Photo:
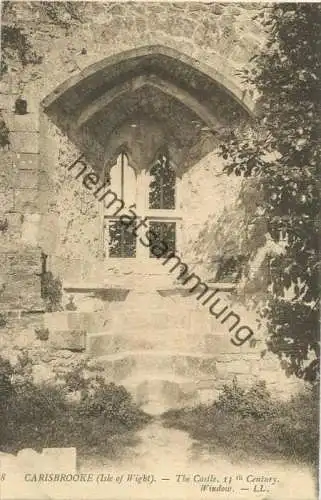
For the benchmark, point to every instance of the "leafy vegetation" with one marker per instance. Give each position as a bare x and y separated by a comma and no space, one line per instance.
250,423
40,416
16,40
3,320
4,133
15,43
282,152
51,291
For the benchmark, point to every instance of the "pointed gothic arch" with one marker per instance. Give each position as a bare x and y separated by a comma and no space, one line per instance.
131,57
191,101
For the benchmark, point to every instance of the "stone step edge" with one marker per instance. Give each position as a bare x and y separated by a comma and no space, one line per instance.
167,377
151,353
145,337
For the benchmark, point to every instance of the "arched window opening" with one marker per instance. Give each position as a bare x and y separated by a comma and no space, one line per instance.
152,198
123,180
162,197
122,241
162,185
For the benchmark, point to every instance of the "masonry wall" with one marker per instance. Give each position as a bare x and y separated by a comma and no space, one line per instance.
223,36
47,210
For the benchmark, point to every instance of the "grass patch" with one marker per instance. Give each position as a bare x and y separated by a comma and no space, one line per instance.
249,423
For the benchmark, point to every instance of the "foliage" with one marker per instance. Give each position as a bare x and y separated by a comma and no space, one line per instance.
4,133
282,151
230,268
71,306
16,41
16,44
40,416
6,372
3,320
110,402
62,13
51,291
255,402
250,423
42,333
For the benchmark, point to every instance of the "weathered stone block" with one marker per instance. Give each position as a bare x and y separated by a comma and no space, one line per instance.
208,384
273,376
7,200
8,177
49,240
12,237
30,228
10,299
31,320
3,267
24,142
26,200
65,320
100,344
27,293
233,368
14,314
22,123
33,304
26,262
208,366
7,101
123,367
43,180
28,283
73,340
7,160
220,342
27,179
27,161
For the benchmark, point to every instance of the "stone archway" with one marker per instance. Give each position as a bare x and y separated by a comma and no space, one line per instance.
90,74
142,99
200,100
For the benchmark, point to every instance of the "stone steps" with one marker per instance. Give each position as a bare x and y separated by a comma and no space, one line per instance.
161,393
151,364
157,395
178,340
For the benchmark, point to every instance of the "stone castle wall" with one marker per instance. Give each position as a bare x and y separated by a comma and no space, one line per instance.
222,36
48,210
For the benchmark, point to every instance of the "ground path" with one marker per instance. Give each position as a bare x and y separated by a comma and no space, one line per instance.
162,453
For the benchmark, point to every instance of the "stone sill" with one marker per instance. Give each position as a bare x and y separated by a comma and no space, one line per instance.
91,287
120,293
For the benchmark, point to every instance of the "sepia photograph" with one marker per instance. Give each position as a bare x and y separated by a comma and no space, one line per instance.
160,217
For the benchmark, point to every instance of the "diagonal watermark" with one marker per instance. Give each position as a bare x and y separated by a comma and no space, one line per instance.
160,249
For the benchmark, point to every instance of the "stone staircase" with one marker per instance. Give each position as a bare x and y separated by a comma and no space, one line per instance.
162,350
167,351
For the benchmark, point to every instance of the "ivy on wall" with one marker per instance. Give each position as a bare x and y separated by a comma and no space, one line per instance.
16,42
51,288
4,133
